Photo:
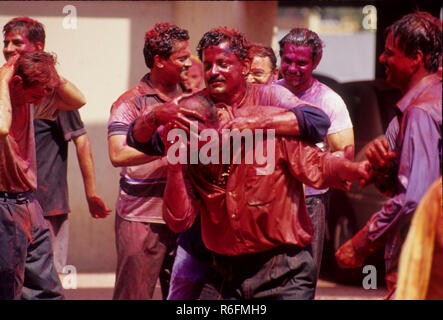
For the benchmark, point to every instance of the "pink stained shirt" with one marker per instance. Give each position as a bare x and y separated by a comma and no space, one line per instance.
18,164
140,197
332,104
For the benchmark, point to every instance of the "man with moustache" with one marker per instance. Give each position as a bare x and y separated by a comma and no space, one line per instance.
223,52
145,245
409,157
301,51
263,64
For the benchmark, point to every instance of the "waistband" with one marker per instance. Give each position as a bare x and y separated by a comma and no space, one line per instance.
16,197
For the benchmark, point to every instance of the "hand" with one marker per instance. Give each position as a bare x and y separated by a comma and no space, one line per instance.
347,257
97,207
167,111
174,160
7,70
360,171
378,153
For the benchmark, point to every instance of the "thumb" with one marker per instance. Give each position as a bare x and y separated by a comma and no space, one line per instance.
349,152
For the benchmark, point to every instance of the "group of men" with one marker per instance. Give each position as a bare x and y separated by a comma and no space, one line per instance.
227,228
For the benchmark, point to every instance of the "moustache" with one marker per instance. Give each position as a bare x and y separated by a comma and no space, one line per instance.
216,79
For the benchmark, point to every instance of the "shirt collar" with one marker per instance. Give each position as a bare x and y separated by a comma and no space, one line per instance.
416,91
145,88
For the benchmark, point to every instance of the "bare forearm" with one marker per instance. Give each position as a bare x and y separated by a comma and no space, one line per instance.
179,212
284,124
86,164
122,155
144,127
5,109
71,97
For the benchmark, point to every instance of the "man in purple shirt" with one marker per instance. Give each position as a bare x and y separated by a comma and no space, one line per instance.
409,156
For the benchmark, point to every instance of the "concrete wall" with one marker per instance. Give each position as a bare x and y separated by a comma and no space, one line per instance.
103,57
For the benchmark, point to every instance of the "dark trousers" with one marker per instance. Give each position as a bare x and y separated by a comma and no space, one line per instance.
317,206
26,260
283,273
145,253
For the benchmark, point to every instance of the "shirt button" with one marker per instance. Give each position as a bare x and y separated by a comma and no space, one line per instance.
233,216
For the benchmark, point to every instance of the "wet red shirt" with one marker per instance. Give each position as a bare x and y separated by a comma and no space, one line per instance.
253,212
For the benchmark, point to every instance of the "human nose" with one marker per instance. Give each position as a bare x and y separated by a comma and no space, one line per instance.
292,68
188,62
213,71
9,47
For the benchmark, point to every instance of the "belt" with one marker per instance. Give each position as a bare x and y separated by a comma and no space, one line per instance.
19,197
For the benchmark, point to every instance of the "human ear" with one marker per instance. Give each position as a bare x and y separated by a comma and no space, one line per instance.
246,66
158,61
39,46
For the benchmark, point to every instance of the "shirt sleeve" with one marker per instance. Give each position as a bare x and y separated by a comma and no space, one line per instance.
123,113
419,167
71,124
340,119
310,165
153,147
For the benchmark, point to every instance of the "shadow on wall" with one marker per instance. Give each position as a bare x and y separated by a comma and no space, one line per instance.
92,241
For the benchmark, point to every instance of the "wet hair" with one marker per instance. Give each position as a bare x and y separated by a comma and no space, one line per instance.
31,29
419,31
302,37
257,49
37,68
202,105
237,41
160,41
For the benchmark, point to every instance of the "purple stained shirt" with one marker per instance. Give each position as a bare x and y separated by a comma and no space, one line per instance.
415,135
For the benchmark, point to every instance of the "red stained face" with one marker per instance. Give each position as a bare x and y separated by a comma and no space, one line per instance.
223,72
261,70
194,77
398,67
178,61
16,43
297,66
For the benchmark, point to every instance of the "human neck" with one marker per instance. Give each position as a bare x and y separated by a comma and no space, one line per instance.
164,85
300,88
415,78
232,99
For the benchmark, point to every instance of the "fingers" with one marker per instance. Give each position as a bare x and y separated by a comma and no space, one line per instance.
12,60
378,152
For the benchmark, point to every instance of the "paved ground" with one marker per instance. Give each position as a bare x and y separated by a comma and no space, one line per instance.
99,286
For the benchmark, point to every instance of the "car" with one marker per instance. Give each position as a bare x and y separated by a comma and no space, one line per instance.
370,105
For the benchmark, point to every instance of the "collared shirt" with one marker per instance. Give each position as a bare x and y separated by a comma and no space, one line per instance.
332,104
51,138
255,212
141,187
18,164
415,136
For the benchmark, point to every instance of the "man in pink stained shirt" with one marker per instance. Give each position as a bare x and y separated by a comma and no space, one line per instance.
301,51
